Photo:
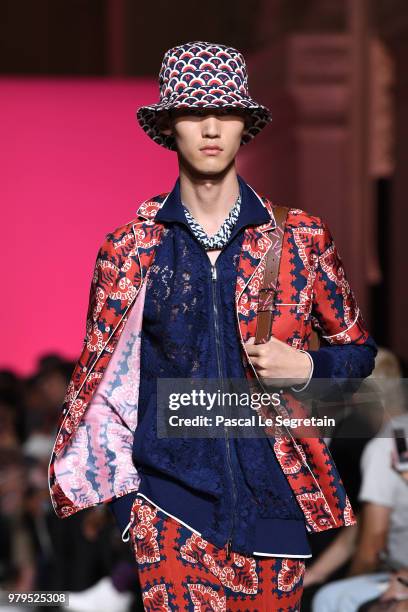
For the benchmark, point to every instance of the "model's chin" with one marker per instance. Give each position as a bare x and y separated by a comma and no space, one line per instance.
210,168
206,165
210,164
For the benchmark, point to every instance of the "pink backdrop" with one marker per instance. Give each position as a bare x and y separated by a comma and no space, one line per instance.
75,165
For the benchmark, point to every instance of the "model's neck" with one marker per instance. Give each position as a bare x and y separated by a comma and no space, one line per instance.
209,199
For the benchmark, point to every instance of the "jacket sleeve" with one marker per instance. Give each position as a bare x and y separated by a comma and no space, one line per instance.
91,462
106,269
350,350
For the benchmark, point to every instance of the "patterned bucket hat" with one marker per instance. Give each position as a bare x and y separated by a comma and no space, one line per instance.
201,75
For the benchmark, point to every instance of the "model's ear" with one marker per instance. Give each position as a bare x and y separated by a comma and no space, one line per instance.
164,123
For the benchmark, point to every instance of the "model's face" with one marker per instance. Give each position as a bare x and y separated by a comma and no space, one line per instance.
207,140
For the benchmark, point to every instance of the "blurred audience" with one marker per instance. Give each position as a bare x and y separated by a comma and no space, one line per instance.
374,553
379,546
39,551
380,397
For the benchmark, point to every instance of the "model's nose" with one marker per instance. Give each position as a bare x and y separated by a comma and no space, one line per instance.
210,126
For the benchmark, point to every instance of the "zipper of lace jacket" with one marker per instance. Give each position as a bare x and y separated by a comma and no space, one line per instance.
220,373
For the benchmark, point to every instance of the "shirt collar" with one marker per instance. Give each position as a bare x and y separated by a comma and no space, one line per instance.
252,212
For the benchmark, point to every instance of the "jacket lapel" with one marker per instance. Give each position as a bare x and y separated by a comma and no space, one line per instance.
137,250
148,234
254,248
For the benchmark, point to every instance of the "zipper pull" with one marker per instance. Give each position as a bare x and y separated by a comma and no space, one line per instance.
213,273
228,549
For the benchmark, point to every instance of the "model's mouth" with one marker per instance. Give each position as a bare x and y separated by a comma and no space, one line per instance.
211,150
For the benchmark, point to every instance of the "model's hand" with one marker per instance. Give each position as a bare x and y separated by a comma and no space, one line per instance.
279,362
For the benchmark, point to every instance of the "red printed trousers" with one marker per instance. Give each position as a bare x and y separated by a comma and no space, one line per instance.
180,571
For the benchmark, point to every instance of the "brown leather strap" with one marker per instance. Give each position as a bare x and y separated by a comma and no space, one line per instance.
267,293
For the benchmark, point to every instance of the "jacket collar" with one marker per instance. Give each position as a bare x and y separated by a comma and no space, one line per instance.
253,209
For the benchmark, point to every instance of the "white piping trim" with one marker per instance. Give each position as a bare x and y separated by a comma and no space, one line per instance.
343,331
126,530
198,533
260,199
280,555
151,218
150,200
171,515
238,297
164,201
310,375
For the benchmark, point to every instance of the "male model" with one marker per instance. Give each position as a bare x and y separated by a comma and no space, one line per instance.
216,523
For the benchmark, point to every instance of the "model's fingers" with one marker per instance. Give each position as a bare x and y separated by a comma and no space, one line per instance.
251,347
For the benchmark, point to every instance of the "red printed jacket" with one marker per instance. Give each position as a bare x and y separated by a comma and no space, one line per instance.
82,472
